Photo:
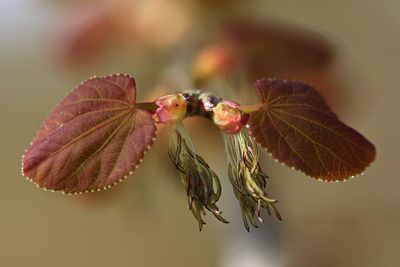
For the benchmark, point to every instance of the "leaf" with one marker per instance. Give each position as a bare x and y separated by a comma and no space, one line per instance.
287,50
92,139
83,31
297,127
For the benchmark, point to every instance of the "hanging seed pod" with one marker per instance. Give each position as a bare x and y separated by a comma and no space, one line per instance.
247,178
202,185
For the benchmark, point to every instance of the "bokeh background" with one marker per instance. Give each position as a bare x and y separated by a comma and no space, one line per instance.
47,47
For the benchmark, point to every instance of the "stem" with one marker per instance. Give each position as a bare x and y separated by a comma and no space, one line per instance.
250,108
149,106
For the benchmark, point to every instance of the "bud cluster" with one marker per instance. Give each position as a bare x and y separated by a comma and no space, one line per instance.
172,109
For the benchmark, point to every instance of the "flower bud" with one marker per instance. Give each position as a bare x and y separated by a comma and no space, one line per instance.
228,117
171,108
212,61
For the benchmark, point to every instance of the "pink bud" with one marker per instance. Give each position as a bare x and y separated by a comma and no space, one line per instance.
171,108
228,117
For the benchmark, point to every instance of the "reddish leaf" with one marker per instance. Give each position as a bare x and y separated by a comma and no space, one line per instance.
92,139
277,49
83,31
299,129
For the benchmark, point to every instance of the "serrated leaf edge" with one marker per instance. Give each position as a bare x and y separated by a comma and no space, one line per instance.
292,167
299,170
93,190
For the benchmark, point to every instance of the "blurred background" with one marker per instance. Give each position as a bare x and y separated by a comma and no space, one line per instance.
348,49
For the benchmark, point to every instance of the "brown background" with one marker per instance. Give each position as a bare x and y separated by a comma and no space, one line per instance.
145,220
